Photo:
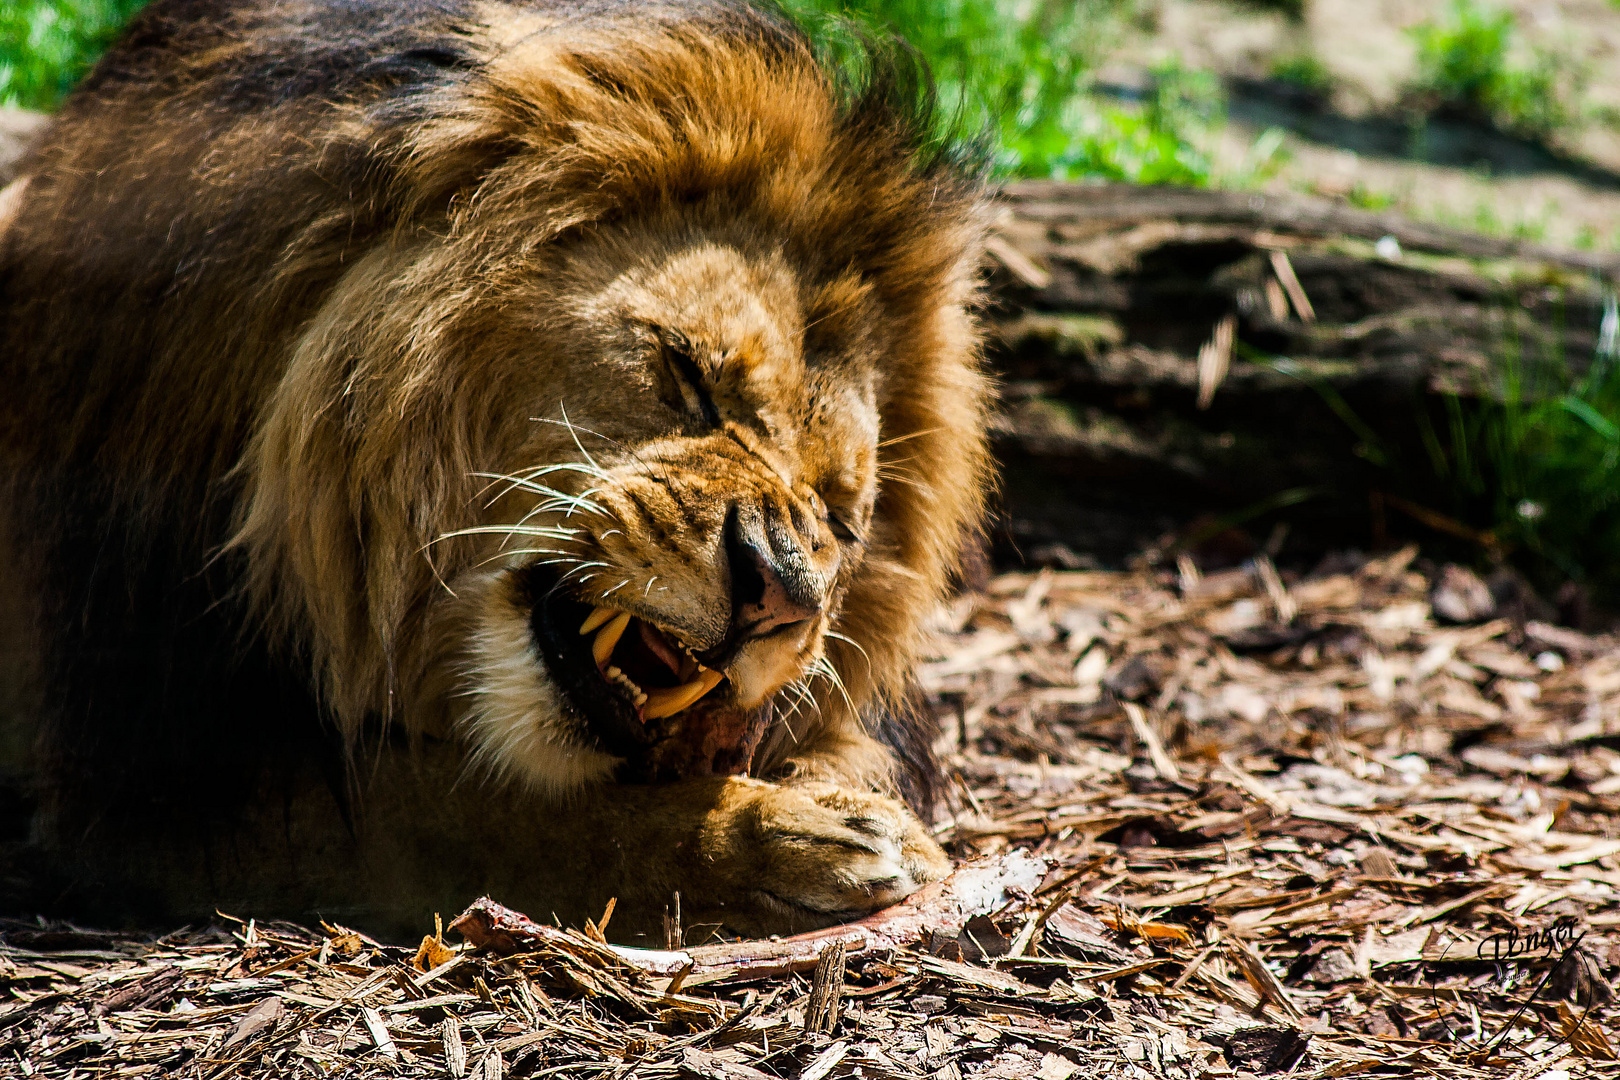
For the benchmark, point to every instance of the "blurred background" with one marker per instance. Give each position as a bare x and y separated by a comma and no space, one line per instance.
1303,278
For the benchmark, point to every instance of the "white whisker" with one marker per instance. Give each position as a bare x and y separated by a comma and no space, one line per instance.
585,566
528,478
555,532
804,697
852,643
906,480
572,428
824,668
499,556
911,435
570,503
573,433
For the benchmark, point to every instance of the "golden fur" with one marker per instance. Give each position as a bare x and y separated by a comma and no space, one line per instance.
373,358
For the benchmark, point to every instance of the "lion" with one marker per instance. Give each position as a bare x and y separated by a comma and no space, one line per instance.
503,446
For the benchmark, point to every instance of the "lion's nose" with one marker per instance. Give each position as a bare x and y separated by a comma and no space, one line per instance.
768,589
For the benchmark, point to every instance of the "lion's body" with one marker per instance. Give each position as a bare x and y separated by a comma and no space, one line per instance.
287,284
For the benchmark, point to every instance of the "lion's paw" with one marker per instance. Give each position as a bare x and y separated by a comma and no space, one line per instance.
814,854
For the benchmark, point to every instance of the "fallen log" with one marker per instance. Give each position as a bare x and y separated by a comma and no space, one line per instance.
1169,352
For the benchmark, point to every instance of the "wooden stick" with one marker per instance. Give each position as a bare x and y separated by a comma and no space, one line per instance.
975,888
826,992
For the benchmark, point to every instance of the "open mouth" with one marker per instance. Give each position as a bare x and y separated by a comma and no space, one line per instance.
625,677
659,674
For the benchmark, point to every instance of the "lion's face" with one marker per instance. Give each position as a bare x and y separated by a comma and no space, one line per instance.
678,530
646,432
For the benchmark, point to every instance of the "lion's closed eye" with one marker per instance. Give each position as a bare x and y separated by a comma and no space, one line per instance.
676,353
841,529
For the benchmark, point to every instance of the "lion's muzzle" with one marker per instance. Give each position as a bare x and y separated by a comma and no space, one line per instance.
661,702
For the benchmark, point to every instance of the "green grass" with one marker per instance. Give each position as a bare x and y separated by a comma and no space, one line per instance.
46,45
1537,461
1020,73
1158,142
1528,463
1305,72
1363,197
1472,63
1487,219
1012,76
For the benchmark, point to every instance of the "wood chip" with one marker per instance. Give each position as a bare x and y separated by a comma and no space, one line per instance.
260,1018
1284,269
821,1012
1215,360
379,1032
455,1054
704,1066
1163,763
825,1062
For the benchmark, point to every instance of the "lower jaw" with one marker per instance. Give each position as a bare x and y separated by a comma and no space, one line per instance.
705,740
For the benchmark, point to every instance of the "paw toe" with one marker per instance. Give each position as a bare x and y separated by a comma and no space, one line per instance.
842,855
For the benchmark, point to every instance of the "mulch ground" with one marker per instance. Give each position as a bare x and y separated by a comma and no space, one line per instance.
1366,821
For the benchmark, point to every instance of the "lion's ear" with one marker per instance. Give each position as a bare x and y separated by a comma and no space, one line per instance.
505,89
454,113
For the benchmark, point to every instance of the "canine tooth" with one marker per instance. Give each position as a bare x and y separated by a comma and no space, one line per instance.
662,703
608,637
595,619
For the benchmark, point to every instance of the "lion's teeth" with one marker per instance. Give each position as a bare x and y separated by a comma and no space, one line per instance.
614,675
691,666
608,637
595,619
662,703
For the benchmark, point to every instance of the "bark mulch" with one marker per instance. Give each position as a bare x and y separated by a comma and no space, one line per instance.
1365,821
